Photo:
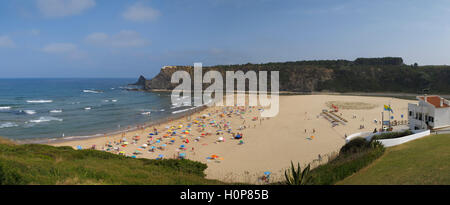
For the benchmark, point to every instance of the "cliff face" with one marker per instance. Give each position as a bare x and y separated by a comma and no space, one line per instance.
305,79
362,75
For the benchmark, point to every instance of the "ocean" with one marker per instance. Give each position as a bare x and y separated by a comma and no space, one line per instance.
36,109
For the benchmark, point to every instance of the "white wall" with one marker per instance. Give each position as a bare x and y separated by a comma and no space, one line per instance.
442,117
401,140
390,142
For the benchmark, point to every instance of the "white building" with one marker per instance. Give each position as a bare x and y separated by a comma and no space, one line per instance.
432,112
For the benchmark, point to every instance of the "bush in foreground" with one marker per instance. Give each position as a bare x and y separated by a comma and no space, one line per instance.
297,176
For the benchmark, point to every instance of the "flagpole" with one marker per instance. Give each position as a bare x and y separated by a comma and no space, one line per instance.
390,110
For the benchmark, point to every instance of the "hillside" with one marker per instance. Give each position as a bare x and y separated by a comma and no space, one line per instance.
424,161
388,74
42,164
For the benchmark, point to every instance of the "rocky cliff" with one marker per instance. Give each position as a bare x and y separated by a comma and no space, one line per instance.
362,75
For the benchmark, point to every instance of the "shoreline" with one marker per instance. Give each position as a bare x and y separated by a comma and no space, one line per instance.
132,128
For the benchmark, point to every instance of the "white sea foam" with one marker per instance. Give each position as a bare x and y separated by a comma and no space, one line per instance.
39,101
146,113
8,125
56,111
5,108
29,112
92,91
162,110
113,100
184,110
87,108
45,119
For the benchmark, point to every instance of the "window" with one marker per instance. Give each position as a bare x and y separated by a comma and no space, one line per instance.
410,113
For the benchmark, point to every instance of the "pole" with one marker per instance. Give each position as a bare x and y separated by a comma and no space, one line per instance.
390,115
382,120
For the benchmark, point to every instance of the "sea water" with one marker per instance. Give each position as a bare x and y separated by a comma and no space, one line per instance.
53,108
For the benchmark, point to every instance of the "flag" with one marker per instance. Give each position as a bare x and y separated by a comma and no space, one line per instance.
388,108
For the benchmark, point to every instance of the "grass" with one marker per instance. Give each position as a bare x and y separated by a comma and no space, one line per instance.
48,165
420,162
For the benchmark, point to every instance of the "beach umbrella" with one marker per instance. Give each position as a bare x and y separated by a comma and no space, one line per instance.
125,143
79,147
182,146
158,141
133,156
267,173
144,145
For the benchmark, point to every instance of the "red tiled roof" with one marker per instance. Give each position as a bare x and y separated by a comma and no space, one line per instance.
435,101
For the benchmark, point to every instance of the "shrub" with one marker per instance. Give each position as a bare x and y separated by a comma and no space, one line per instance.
297,176
392,135
352,157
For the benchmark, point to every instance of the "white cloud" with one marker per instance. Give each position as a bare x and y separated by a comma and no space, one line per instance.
140,12
61,8
35,32
60,48
125,38
6,42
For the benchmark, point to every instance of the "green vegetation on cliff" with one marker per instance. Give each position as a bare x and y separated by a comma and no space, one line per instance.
43,164
388,74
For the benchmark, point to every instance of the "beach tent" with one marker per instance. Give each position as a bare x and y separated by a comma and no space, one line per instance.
79,147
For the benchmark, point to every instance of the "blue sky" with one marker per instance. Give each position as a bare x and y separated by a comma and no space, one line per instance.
105,38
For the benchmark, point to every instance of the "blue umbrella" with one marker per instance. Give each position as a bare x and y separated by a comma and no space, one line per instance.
267,173
79,147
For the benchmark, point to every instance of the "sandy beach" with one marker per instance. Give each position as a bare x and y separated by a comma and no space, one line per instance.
299,133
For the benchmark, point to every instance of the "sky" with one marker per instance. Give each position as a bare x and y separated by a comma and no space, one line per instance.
128,38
